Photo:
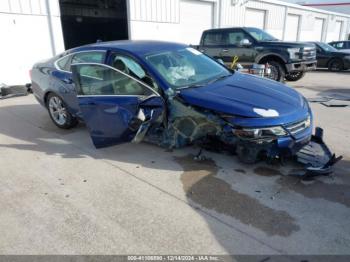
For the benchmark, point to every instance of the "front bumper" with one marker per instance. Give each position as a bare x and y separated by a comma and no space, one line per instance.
307,149
301,66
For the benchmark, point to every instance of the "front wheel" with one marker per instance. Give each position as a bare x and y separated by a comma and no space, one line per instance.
335,65
277,71
58,112
295,76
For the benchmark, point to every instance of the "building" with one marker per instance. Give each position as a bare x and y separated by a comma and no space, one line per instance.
340,6
32,30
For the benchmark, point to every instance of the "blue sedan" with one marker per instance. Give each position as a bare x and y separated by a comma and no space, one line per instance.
172,95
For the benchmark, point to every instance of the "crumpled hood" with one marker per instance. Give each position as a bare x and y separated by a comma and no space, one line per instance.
247,96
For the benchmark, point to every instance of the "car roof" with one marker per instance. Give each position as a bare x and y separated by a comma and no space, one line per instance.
229,28
139,47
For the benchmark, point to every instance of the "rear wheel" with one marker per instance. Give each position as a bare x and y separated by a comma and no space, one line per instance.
58,112
335,65
277,71
295,76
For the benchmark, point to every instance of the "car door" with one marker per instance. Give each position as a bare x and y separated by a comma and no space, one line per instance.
116,107
240,44
322,57
213,43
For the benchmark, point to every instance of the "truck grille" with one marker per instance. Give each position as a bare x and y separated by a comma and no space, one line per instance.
309,53
298,127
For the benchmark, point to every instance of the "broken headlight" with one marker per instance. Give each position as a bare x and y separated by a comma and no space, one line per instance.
266,132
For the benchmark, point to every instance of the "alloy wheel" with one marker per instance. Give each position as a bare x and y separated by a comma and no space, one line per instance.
57,110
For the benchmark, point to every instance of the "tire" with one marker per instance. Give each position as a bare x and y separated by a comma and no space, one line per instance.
335,65
277,71
58,112
295,76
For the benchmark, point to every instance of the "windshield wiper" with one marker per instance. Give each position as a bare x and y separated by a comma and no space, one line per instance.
190,86
219,78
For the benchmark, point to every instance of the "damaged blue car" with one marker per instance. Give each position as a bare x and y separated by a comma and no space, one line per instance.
173,95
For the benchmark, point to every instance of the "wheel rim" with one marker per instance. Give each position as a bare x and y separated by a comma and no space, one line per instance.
274,73
335,66
57,110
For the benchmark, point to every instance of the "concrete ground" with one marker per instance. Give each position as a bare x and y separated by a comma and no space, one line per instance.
59,195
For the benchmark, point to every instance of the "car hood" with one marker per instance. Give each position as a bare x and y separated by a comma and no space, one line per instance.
249,96
341,53
287,44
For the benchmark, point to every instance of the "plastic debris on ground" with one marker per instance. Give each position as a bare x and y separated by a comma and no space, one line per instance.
14,91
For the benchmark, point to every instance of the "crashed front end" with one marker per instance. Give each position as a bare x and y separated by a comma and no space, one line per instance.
187,124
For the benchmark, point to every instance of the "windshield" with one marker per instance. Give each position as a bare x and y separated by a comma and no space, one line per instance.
186,67
260,35
326,47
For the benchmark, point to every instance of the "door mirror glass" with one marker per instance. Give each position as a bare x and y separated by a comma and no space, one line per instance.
94,79
245,42
220,61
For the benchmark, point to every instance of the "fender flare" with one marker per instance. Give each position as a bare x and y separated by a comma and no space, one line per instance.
264,55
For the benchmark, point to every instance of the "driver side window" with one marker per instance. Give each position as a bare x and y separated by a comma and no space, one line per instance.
130,67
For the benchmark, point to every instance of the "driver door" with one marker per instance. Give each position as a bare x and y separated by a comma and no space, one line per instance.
116,107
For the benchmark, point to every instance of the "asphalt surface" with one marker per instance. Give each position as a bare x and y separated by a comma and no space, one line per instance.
60,195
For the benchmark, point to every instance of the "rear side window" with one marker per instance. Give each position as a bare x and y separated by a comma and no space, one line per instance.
215,38
88,57
83,57
64,63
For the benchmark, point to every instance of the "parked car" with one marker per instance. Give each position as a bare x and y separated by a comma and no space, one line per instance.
341,45
331,58
172,95
288,60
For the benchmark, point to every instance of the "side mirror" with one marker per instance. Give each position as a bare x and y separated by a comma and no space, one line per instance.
220,61
245,42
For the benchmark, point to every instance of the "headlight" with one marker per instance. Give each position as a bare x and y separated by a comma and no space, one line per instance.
294,53
260,132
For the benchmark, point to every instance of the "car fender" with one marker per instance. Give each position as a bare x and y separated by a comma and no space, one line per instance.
266,54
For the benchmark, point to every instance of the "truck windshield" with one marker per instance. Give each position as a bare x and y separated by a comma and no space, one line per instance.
186,68
326,47
260,35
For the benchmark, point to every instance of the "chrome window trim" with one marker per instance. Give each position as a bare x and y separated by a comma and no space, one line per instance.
131,77
71,54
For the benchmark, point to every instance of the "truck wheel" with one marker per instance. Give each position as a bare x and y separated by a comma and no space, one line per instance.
277,71
295,76
335,65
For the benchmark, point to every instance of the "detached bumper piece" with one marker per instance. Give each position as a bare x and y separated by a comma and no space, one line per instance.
13,91
317,157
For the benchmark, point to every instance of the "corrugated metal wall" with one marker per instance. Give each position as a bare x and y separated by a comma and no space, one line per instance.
160,16
28,34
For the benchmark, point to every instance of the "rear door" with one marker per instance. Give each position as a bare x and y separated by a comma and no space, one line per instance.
115,106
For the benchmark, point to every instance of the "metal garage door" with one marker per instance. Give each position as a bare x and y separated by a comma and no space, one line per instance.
195,17
338,29
292,28
255,18
318,29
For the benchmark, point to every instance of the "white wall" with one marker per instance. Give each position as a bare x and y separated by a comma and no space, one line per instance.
25,37
159,19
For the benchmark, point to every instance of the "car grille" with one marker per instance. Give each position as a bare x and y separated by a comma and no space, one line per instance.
298,127
309,53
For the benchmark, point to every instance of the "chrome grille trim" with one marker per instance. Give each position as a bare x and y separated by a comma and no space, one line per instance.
297,127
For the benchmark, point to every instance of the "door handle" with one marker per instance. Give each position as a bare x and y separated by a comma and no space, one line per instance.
68,80
224,50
